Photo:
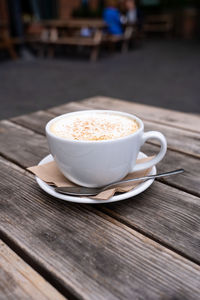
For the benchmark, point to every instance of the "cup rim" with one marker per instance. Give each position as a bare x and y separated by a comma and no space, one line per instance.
139,121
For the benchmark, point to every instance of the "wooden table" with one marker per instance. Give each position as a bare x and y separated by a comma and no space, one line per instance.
146,247
69,32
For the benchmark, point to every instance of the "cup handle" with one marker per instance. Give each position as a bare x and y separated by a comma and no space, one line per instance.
152,135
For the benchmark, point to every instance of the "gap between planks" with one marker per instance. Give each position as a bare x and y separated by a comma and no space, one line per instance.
20,280
36,266
116,219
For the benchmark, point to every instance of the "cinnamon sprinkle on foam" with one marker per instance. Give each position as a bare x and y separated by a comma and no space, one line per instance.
94,127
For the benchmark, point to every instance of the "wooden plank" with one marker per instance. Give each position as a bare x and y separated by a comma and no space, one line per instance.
189,180
88,253
68,107
177,139
35,121
28,154
165,214
159,115
80,41
82,23
19,281
74,23
21,145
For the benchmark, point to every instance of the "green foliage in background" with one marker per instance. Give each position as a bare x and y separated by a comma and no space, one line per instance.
147,6
167,5
179,3
85,12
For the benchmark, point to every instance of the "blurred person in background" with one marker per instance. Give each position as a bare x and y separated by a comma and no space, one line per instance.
111,16
131,15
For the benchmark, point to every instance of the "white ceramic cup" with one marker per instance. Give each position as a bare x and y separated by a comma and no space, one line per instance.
98,163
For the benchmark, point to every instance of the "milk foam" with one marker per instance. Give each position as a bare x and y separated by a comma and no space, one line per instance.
94,127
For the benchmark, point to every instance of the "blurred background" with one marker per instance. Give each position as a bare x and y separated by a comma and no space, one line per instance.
57,51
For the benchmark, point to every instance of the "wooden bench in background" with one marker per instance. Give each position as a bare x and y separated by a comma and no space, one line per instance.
68,32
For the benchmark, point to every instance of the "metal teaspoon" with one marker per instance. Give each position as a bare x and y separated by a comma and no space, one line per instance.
84,191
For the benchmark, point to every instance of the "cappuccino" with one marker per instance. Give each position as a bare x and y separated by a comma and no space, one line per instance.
94,126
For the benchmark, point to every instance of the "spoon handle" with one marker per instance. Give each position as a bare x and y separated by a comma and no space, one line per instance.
144,178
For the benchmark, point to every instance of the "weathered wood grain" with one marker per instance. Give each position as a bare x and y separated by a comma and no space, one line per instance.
90,254
177,139
35,121
21,145
186,181
19,281
171,118
68,107
166,214
163,216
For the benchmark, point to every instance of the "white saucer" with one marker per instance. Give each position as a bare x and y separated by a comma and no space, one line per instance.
137,190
